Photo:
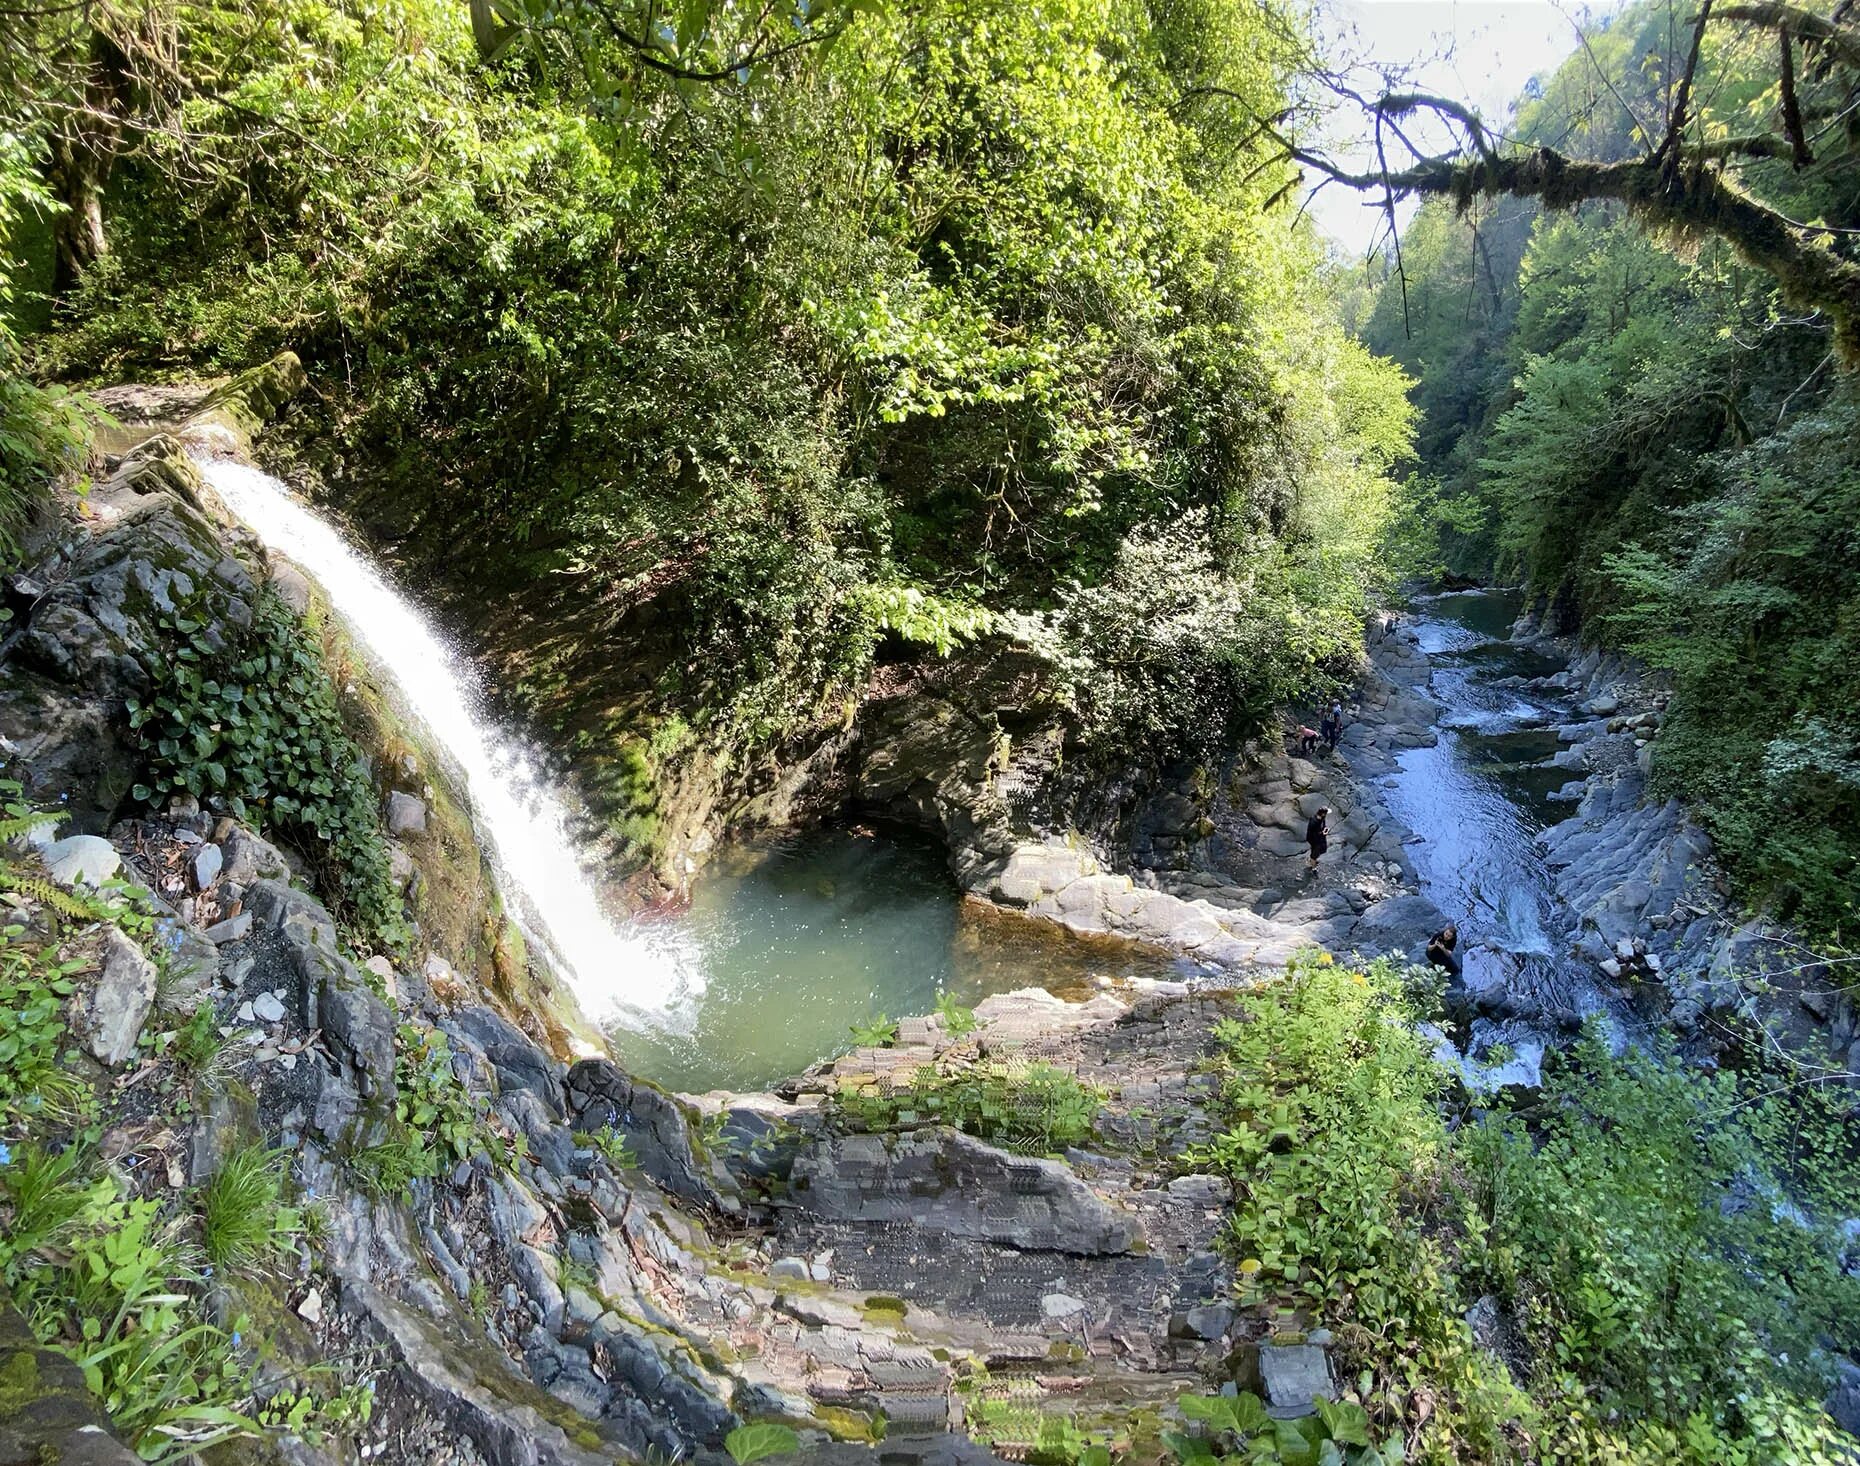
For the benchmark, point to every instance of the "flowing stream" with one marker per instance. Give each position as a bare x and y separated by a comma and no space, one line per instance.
619,972
1475,803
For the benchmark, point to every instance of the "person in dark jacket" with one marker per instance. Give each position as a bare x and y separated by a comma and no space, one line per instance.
1443,949
1333,726
1317,834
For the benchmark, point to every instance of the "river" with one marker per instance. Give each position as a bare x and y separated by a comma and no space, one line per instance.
1474,804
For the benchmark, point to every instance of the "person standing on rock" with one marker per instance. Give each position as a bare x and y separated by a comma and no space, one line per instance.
1333,726
1317,834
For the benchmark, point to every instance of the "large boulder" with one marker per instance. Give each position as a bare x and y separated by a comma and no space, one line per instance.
944,1181
601,1095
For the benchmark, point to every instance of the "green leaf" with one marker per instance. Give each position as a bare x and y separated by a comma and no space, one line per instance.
760,1441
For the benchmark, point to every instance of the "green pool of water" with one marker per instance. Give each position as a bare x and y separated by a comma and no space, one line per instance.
797,940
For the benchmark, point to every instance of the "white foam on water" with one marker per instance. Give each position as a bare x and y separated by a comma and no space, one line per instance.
617,972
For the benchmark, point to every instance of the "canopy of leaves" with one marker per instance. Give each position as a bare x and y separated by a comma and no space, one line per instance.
714,388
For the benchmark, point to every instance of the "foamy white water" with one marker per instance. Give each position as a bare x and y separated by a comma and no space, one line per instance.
616,972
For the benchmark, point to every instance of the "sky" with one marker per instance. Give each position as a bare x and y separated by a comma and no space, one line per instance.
1477,51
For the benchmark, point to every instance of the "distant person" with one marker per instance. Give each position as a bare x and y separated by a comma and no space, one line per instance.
1317,834
1334,731
1328,731
1307,741
1443,949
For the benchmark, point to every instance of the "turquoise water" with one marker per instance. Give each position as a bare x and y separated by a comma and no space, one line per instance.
796,940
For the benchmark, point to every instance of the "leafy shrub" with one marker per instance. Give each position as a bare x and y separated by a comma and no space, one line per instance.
1238,1428
1663,1319
103,1279
252,728
438,1122
758,1442
1025,1106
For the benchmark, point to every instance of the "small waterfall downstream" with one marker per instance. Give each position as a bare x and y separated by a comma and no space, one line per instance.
621,976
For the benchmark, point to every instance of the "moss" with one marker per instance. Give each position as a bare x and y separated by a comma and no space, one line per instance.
19,1383
850,1425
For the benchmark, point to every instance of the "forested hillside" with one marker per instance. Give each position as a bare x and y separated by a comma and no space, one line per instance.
729,360
1644,430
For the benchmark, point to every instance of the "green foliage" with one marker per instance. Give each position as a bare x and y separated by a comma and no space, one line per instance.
958,1020
1002,308
100,1277
35,990
252,727
1239,1429
880,1033
1670,1305
1645,433
1024,1106
43,432
760,1441
438,1122
612,1145
242,1212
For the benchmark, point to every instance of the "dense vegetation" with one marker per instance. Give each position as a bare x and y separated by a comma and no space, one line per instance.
726,385
1651,1297
1646,433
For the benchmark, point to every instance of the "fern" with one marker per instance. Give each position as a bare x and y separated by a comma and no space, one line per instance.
16,824
45,891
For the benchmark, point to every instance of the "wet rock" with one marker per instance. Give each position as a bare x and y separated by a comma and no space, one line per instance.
514,1059
111,1014
941,1180
405,815
81,860
65,748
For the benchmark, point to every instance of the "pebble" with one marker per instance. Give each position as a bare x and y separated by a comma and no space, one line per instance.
311,1309
796,1268
268,1008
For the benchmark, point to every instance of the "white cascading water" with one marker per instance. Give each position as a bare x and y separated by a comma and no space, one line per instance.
617,974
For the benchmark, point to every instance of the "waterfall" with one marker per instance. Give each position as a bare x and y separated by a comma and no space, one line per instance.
617,973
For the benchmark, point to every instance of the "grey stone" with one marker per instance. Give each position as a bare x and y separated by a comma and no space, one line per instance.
81,859
941,1180
600,1094
405,815
1208,1321
793,1269
1060,1306
209,860
249,858
1291,1376
112,1012
267,1008
233,929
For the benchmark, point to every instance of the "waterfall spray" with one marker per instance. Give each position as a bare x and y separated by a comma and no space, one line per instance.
617,973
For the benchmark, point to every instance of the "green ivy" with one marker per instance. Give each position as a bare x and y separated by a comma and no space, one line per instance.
250,726
438,1121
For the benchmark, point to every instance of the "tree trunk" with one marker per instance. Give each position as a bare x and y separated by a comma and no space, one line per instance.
82,152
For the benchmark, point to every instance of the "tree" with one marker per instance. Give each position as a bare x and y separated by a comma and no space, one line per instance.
1715,163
